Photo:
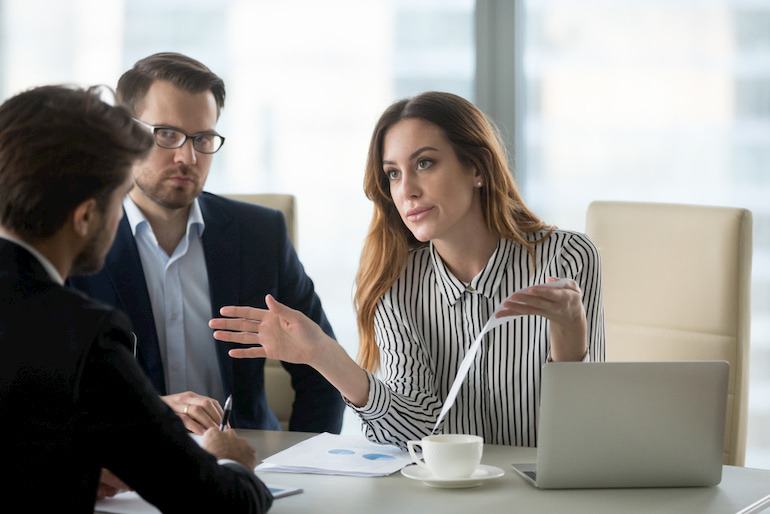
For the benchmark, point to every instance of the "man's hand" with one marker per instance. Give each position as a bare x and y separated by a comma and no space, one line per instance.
109,485
198,413
227,445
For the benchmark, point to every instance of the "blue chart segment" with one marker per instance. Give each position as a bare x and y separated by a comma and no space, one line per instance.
377,456
367,456
342,452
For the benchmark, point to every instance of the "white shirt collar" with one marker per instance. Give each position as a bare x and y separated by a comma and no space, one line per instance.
136,218
485,283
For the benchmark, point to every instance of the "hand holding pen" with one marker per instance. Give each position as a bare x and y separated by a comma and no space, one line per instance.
226,444
226,414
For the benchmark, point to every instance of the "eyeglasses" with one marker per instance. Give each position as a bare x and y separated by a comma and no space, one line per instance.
171,138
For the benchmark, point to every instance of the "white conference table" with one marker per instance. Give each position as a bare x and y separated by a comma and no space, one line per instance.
742,490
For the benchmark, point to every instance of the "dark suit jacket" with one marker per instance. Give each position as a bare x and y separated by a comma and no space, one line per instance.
74,401
248,255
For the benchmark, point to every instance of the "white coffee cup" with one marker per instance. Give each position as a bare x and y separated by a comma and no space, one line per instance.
449,455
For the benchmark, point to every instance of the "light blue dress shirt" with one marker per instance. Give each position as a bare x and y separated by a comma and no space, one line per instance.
181,305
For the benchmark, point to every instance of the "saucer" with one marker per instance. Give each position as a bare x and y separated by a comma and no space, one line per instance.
479,475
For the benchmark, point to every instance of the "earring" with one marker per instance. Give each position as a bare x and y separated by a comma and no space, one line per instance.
478,184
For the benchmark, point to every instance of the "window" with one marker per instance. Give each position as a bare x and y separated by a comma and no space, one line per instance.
648,101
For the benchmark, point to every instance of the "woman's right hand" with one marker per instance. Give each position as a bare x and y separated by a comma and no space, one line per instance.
290,336
282,333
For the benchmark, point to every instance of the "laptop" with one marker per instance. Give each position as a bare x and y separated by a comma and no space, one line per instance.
630,424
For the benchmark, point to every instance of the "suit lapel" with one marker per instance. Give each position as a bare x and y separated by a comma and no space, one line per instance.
221,249
123,266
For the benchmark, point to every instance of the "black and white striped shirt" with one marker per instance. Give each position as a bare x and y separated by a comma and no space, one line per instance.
428,320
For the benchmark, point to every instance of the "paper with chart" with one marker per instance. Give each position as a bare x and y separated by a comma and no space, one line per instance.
465,365
331,454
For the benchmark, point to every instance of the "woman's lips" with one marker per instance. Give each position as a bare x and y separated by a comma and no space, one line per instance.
418,213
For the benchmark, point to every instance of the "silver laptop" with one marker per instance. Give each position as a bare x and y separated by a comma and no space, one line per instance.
630,424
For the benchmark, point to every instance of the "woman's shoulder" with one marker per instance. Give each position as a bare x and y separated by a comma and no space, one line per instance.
561,241
574,245
573,237
560,236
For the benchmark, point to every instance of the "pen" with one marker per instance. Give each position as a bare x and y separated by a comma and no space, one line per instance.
226,414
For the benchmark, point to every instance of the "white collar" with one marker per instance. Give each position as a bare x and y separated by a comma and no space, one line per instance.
136,217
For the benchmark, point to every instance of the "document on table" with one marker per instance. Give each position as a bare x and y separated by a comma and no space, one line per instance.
130,502
125,503
331,454
465,365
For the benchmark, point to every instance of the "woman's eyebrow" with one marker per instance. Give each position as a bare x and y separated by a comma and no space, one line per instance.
414,154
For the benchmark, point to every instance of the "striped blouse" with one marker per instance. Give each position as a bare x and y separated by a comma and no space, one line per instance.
428,320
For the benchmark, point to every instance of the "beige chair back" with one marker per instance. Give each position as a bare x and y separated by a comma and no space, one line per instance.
280,393
285,203
677,286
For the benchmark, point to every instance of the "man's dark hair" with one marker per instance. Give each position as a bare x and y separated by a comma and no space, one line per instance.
183,72
60,146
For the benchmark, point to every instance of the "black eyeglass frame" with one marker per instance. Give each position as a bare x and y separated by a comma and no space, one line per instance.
155,128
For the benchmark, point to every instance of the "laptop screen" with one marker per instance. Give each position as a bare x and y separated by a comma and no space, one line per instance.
634,424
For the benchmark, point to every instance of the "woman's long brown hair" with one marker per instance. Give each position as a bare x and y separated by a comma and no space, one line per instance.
388,242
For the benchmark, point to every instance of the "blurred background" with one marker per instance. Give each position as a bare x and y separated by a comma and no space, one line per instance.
647,100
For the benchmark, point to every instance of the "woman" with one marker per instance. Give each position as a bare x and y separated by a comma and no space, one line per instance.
449,241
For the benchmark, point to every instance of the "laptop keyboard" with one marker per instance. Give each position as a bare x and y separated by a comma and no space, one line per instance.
531,474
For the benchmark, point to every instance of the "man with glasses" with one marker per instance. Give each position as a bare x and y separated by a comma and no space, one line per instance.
181,254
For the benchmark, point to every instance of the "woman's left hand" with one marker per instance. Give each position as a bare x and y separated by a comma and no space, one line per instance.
562,305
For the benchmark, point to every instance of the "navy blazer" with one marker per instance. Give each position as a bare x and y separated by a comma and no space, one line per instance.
248,255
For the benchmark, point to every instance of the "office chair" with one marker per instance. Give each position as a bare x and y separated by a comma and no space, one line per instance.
278,389
677,286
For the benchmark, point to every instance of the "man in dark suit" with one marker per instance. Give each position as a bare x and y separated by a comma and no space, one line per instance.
180,255
73,399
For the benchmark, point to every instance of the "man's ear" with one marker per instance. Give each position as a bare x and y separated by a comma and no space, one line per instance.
85,217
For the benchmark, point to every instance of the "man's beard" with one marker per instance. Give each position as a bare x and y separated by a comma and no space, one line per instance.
90,260
169,199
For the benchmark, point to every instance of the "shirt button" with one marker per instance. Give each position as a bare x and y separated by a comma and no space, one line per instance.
173,316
